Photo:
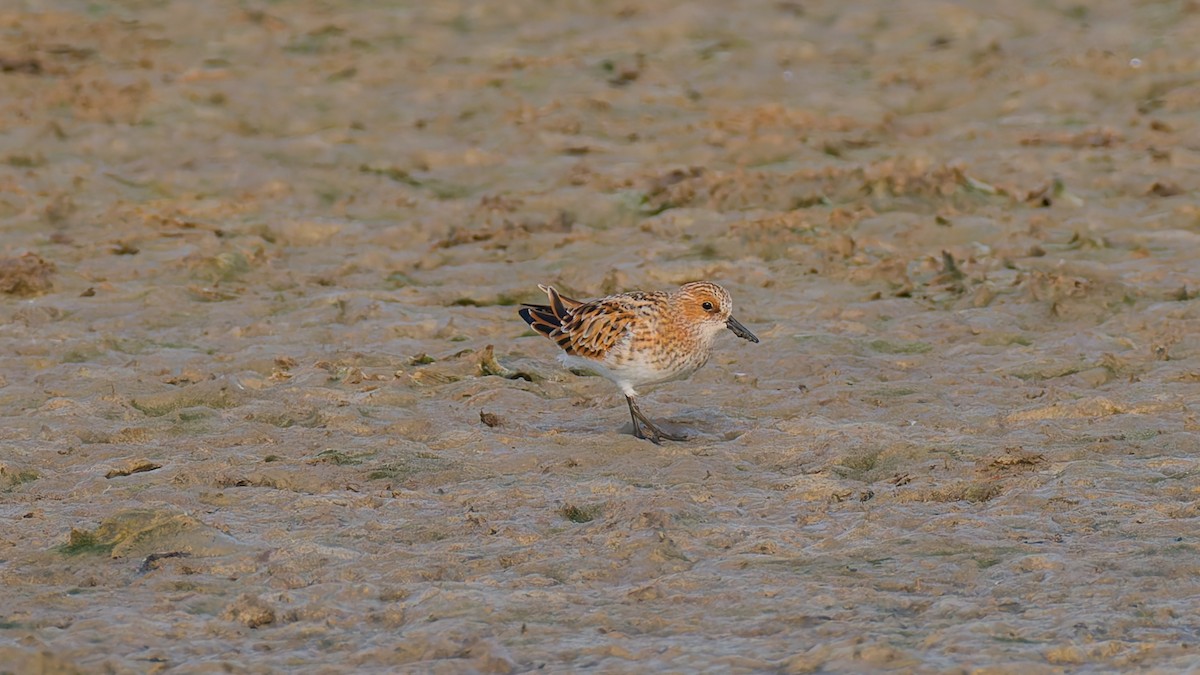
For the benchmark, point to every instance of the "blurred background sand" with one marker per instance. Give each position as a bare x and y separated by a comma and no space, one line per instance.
253,254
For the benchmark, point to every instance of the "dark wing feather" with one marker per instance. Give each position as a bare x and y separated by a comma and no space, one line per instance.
587,329
569,303
593,328
540,318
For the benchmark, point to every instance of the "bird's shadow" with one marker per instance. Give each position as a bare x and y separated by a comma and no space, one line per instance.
698,424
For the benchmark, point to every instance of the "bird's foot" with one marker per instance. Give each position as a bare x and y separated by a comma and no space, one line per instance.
655,435
645,429
652,436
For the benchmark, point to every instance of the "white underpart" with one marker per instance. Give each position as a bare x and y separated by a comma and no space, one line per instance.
633,373
597,367
638,372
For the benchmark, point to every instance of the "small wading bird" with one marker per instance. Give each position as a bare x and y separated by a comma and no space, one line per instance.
638,339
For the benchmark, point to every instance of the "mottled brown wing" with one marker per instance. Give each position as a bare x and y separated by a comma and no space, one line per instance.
562,300
546,319
593,328
587,329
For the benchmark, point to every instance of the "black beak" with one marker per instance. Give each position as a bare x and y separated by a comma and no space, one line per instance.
740,330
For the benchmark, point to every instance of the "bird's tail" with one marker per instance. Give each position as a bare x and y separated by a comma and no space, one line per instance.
540,318
546,319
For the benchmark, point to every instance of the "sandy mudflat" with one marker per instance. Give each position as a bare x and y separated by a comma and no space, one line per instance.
253,254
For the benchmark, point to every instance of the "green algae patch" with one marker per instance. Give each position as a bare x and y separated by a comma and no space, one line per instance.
407,466
339,458
140,532
81,542
11,477
215,394
225,266
888,347
581,514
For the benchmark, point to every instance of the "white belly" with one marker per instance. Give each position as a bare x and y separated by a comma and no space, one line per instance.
632,373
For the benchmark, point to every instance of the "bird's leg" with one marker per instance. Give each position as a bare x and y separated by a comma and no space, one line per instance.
651,432
637,427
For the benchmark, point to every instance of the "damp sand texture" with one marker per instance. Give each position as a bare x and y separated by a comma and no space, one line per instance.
268,406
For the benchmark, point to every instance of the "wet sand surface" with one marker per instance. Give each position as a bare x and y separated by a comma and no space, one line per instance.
254,255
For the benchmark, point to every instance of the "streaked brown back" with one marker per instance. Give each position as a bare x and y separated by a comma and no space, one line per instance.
587,329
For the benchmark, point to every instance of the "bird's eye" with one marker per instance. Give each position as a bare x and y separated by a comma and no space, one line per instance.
708,306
